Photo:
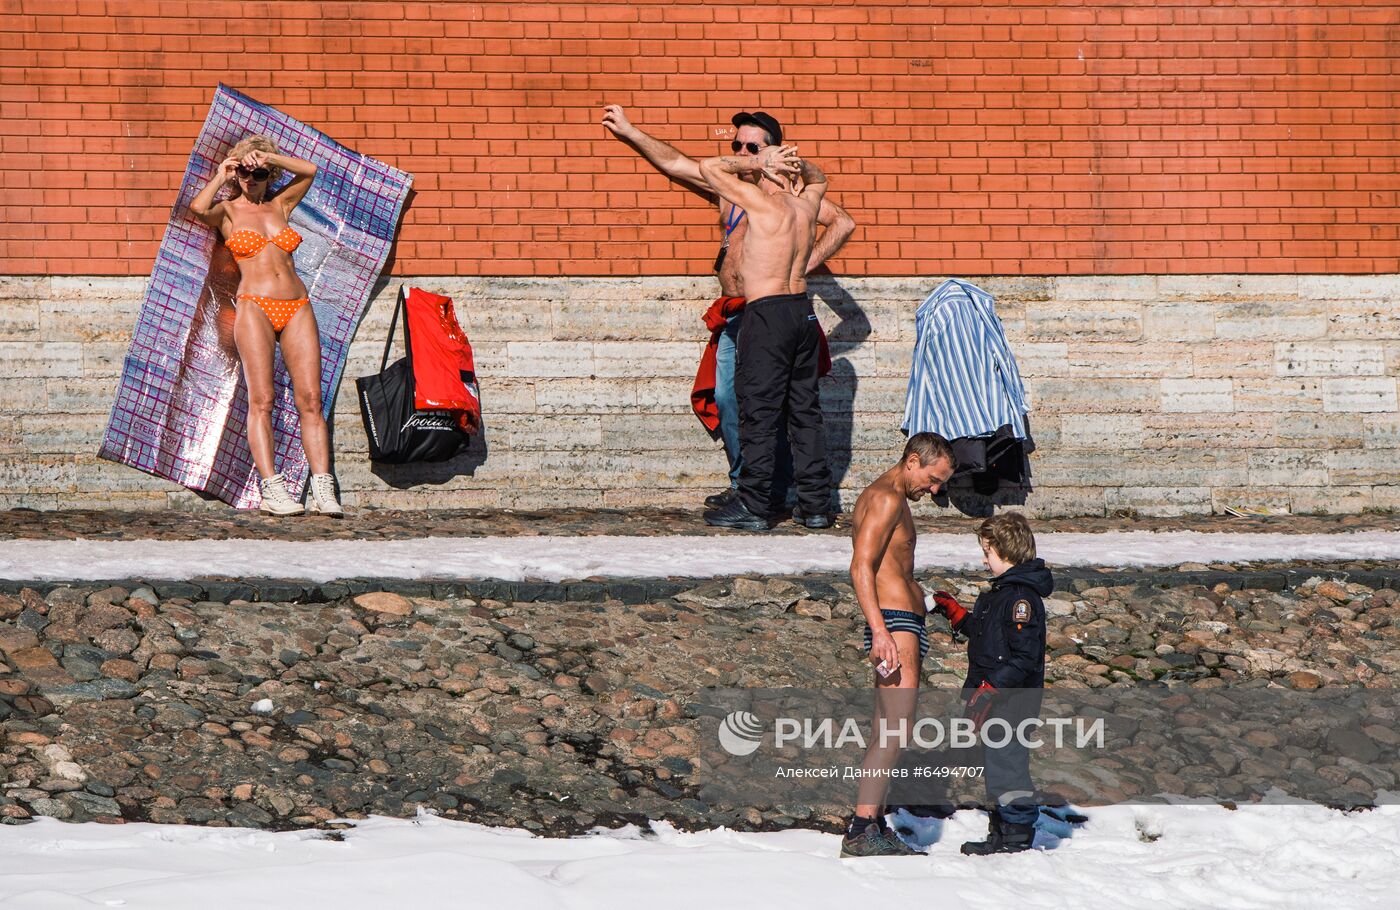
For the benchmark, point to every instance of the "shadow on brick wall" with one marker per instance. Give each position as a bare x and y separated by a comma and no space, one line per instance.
393,256
839,389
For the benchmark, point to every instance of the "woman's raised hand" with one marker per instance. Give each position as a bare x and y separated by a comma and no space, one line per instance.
226,171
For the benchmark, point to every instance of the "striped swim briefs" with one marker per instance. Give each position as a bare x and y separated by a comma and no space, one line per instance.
902,621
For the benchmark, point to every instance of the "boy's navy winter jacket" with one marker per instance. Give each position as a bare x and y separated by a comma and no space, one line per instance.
1006,630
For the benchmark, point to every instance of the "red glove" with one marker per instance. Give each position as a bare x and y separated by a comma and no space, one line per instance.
948,605
979,705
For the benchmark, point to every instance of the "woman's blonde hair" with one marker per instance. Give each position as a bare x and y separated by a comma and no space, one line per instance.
258,143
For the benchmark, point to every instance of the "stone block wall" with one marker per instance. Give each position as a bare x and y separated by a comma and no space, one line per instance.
1158,394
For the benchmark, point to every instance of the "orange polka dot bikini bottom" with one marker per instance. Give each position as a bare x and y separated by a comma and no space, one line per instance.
279,312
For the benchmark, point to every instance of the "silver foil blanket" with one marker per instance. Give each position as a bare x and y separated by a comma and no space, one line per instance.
181,403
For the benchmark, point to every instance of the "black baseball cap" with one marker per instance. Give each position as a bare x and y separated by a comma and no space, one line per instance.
763,121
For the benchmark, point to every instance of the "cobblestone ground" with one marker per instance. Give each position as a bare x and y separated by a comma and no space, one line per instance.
132,703
222,523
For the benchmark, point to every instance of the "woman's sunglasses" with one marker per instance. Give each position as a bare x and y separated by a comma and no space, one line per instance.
753,147
257,173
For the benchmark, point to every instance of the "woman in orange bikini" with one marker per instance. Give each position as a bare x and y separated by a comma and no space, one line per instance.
272,308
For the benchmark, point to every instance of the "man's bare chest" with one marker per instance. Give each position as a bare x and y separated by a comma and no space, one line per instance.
902,541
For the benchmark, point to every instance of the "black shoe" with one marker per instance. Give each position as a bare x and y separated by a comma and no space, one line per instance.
875,842
737,515
1002,837
815,522
721,499
1065,814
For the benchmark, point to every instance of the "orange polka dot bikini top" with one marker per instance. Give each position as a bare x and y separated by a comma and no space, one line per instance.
246,244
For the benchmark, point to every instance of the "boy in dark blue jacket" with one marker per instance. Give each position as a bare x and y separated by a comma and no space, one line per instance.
1005,671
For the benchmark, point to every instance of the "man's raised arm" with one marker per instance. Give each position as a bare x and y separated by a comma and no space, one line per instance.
837,227
660,155
813,180
774,163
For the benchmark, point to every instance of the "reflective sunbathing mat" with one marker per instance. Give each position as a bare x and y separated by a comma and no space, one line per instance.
181,404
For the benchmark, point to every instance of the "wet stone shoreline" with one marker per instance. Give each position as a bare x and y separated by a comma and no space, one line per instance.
155,702
1268,576
216,522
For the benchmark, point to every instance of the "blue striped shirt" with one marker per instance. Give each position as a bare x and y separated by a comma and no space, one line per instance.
964,380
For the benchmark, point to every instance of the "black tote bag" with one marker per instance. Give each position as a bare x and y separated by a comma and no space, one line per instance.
397,432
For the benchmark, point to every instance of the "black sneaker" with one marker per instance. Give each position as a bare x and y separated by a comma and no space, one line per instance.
737,515
1002,837
721,499
875,842
815,522
1066,814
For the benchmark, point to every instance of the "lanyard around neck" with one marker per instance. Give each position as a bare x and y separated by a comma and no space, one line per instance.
733,220
729,225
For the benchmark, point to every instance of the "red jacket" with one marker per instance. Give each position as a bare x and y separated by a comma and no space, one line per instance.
444,371
702,394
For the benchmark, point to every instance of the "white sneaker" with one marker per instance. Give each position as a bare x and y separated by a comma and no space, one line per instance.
276,500
323,499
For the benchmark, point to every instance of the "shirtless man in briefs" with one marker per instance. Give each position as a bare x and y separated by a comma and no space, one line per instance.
882,573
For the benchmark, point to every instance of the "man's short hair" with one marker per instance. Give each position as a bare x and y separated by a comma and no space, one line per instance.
1010,535
930,447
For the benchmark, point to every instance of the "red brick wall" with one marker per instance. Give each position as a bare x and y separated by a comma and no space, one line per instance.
966,138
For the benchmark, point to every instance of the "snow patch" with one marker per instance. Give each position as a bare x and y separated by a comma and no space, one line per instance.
1274,856
560,558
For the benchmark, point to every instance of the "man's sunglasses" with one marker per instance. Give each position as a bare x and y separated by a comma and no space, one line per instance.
257,173
753,147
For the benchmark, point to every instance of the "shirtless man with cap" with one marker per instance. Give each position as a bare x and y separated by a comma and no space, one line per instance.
779,347
756,132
